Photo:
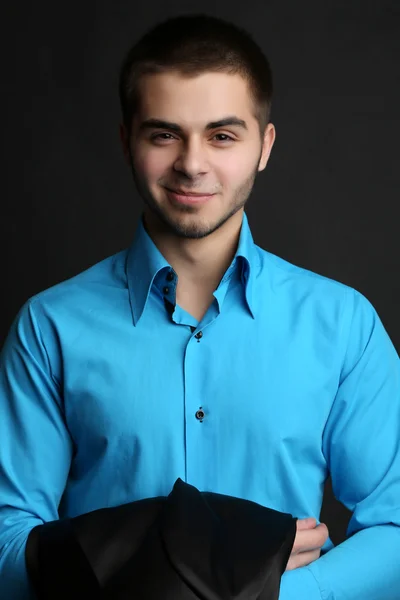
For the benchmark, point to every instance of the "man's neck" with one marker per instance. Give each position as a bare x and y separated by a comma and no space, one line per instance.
197,262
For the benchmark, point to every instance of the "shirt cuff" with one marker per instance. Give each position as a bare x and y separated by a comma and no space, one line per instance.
299,584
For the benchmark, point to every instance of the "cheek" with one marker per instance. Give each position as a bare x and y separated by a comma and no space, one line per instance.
151,165
233,170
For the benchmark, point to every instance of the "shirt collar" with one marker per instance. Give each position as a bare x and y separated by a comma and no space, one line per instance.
146,266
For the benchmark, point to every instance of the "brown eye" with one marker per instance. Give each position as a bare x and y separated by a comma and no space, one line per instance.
227,138
162,137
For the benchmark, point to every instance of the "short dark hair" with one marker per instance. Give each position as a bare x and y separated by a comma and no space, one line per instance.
191,45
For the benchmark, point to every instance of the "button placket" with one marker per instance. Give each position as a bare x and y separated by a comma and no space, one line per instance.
197,419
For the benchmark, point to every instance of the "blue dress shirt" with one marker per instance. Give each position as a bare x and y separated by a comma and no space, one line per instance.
109,392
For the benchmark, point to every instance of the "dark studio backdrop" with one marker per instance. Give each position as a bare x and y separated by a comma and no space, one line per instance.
328,200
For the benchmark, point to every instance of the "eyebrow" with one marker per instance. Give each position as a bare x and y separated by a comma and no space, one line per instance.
159,124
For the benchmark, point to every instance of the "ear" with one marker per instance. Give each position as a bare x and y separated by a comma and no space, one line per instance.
268,142
123,134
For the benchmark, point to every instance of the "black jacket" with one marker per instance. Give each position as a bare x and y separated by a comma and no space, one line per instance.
190,545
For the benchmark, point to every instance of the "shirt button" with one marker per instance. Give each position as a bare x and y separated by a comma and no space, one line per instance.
200,414
166,290
170,276
199,335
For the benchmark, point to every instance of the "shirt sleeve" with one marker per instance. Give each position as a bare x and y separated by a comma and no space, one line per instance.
361,443
35,448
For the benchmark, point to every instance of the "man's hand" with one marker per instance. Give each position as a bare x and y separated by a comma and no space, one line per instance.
307,544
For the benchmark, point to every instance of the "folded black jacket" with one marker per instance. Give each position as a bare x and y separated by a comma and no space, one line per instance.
185,546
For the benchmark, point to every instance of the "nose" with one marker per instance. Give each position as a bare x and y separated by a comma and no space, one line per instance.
192,159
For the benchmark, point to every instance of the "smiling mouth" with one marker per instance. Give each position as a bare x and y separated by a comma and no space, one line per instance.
191,194
188,198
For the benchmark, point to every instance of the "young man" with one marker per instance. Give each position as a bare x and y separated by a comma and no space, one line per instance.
195,353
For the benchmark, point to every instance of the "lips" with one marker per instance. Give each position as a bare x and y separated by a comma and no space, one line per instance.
193,194
184,197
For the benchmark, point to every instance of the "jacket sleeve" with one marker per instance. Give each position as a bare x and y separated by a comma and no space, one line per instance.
361,443
35,447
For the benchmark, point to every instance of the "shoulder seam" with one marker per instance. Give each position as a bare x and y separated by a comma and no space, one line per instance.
36,301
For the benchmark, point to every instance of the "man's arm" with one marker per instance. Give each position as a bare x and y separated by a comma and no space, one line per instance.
361,443
35,447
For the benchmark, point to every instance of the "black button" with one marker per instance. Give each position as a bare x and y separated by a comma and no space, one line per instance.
170,276
200,414
199,335
166,290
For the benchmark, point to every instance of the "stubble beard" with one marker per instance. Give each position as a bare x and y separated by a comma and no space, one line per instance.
194,229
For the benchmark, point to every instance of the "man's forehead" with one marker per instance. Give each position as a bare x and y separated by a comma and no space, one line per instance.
206,90
173,78
201,102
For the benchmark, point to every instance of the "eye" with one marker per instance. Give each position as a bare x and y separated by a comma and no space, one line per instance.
165,136
227,138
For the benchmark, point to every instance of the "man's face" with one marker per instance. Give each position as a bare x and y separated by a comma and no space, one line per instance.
179,143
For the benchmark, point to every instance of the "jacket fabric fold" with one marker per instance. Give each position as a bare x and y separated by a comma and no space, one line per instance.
186,546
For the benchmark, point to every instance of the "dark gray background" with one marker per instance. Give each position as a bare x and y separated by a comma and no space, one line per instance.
328,200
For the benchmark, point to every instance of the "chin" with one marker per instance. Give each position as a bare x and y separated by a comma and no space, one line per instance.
193,228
